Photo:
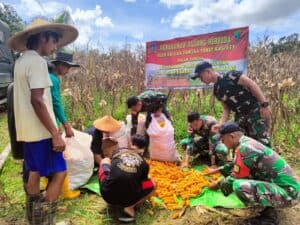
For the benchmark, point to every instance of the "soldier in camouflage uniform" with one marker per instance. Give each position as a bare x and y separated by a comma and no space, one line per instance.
259,176
150,99
201,139
239,94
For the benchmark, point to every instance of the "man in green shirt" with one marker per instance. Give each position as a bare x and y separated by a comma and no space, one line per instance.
60,67
260,177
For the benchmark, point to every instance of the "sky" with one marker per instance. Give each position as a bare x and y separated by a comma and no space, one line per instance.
112,23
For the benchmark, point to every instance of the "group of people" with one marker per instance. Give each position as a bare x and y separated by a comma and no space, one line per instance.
240,150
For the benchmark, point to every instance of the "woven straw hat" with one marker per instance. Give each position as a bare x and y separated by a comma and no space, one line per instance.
107,124
68,34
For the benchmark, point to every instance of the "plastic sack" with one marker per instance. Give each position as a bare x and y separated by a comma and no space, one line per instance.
162,143
79,158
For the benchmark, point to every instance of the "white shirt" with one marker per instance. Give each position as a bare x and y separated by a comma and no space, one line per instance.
31,72
141,130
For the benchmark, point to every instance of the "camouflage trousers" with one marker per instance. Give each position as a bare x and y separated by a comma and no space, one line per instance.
253,192
201,145
255,126
195,145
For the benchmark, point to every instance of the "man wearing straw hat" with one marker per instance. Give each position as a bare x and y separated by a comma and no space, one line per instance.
34,116
102,142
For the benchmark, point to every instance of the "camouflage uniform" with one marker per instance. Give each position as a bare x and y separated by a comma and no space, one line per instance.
261,177
151,99
202,141
246,107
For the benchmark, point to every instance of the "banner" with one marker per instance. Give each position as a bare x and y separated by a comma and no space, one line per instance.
169,63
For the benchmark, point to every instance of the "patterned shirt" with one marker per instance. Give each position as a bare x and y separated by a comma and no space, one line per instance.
208,122
205,132
236,97
123,180
151,99
255,161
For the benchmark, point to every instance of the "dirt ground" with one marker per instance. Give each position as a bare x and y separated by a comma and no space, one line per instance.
90,209
147,215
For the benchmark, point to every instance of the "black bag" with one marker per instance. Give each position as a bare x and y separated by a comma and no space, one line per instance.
16,146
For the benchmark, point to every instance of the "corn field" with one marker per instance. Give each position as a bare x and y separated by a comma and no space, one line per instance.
104,82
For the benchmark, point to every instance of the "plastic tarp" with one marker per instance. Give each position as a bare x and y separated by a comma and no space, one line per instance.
207,197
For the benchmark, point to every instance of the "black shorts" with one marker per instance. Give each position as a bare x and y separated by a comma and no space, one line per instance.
114,196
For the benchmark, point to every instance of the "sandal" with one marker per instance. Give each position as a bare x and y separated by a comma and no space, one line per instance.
125,217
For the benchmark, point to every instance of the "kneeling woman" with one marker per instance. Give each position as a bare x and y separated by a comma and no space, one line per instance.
124,178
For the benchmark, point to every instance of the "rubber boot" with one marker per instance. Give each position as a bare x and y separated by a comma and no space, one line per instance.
44,183
31,200
44,213
66,192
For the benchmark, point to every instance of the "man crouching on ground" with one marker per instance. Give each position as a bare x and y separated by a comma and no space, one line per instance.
260,177
124,178
34,116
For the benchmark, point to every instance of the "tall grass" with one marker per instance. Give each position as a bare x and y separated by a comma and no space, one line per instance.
104,82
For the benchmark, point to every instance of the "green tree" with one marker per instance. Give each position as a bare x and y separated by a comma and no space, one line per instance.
63,17
9,15
288,44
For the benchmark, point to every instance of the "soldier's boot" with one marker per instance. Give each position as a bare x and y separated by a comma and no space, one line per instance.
267,217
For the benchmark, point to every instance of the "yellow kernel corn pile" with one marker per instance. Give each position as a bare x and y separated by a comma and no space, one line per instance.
173,182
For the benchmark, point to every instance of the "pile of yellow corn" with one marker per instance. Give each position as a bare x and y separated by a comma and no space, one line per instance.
173,182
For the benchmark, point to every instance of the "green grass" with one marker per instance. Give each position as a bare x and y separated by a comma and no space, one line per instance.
90,209
87,209
81,211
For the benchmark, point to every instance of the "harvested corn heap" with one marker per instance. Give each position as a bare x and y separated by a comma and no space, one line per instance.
173,183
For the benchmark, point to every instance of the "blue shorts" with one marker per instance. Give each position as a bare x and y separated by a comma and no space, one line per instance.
40,157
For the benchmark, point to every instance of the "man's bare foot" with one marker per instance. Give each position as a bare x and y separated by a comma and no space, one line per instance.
130,211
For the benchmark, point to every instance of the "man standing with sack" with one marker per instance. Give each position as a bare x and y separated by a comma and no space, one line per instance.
34,116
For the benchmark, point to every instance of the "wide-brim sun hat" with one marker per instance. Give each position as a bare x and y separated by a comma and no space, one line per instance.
68,34
107,124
